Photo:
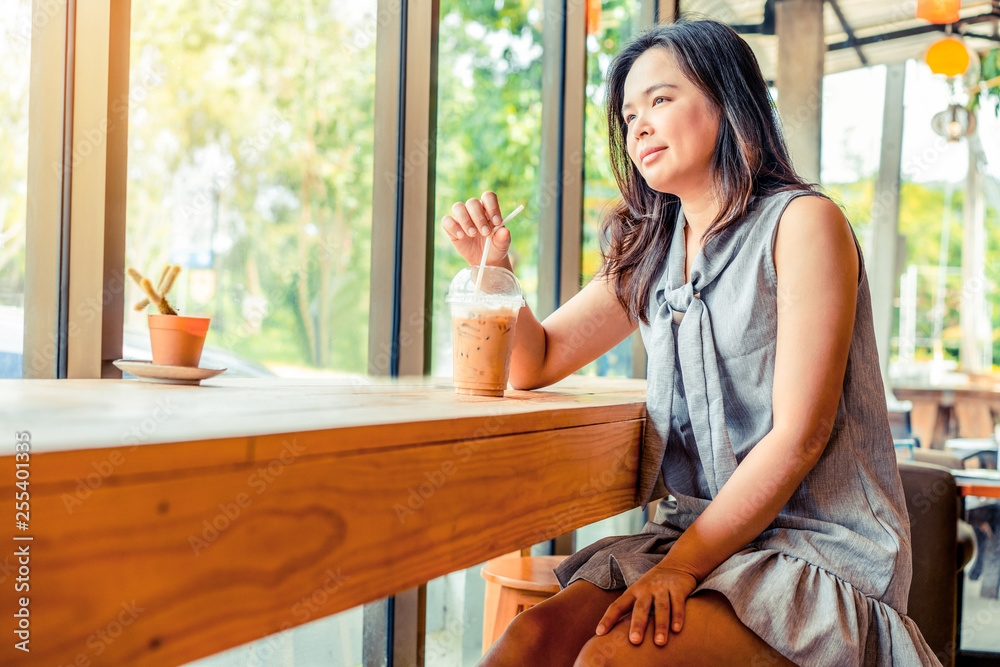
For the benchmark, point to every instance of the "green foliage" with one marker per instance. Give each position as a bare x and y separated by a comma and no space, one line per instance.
921,213
989,69
489,132
619,22
253,136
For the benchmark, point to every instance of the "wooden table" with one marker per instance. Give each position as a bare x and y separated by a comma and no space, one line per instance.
172,522
964,411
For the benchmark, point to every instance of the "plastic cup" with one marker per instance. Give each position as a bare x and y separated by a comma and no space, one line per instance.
483,325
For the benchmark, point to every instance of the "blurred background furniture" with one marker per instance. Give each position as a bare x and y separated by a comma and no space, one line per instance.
939,413
942,545
515,583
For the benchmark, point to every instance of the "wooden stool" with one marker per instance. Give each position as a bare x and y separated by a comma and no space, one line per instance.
514,584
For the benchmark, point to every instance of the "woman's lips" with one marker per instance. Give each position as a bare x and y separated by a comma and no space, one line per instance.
652,156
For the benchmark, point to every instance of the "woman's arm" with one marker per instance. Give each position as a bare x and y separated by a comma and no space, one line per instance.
817,267
579,331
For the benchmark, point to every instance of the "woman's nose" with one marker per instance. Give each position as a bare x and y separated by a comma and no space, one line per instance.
640,127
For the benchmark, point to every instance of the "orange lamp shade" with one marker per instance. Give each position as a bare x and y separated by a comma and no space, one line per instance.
948,57
938,11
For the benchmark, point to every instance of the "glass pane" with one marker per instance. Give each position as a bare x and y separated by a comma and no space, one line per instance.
250,166
334,641
852,140
980,629
454,630
489,136
15,52
926,324
610,30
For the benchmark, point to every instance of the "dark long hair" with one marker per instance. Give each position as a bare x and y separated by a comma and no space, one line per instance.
750,159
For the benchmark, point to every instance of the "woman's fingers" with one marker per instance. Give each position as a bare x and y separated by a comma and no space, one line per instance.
640,616
461,214
478,215
615,611
661,619
677,611
452,228
500,245
492,207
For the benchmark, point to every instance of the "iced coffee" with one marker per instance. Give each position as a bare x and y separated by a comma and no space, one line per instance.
483,326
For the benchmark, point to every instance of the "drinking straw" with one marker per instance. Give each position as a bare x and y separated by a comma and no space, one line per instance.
486,248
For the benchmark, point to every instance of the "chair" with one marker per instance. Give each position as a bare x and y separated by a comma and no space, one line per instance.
942,545
515,583
984,450
983,518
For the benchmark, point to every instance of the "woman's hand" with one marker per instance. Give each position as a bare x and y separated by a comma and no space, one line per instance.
470,223
663,589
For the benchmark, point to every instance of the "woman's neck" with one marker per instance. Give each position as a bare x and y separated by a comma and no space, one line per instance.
699,212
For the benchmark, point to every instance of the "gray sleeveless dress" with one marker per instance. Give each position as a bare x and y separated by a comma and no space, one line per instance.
826,583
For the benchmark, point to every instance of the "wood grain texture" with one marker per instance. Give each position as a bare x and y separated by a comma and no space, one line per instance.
189,548
102,413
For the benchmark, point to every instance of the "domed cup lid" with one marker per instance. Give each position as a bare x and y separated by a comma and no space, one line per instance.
499,288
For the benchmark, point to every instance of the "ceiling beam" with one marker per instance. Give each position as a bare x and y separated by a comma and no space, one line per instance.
851,39
765,27
911,32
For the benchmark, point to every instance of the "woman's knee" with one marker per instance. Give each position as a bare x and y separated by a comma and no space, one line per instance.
529,628
530,632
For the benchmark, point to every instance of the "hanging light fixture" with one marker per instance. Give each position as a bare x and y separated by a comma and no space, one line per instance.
948,56
938,11
954,122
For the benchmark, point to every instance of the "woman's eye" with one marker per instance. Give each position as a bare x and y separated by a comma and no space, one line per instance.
628,119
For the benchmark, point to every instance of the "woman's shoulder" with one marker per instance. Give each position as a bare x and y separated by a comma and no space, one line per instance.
800,222
812,230
778,202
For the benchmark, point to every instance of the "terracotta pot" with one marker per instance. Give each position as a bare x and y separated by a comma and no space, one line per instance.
177,340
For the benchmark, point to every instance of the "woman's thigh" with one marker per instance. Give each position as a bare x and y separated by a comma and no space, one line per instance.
553,632
712,635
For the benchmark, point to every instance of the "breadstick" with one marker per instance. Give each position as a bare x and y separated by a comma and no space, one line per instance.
168,280
160,302
137,277
160,285
163,276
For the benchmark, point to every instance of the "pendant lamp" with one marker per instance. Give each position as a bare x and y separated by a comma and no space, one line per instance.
954,122
938,11
948,56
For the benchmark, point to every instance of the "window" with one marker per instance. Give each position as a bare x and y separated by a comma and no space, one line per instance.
489,137
617,22
250,165
334,641
15,52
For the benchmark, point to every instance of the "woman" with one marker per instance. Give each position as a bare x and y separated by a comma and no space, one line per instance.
785,538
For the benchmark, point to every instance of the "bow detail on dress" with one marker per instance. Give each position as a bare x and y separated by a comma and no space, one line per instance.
697,356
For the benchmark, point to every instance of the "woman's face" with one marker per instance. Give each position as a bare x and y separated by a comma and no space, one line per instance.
672,126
